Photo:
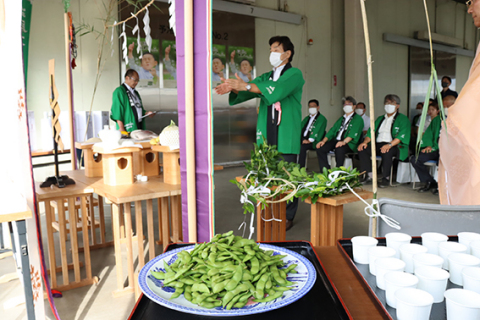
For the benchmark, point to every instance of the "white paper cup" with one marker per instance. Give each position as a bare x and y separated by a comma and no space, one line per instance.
395,280
462,304
475,248
413,304
426,259
361,244
447,248
466,237
396,239
471,279
406,254
384,265
432,280
378,252
457,262
431,240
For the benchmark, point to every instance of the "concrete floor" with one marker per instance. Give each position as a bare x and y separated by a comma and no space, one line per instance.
96,302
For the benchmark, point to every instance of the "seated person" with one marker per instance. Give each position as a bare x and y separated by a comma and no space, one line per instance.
413,133
428,150
313,130
343,137
361,110
392,132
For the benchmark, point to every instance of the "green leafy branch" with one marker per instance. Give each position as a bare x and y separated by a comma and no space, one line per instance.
270,176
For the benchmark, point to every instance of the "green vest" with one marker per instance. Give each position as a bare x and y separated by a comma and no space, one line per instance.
288,91
400,131
317,130
354,131
431,135
122,111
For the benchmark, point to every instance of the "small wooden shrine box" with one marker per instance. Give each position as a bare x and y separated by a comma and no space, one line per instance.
117,165
93,165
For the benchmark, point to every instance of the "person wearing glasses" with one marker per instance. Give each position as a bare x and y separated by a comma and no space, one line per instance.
127,108
459,168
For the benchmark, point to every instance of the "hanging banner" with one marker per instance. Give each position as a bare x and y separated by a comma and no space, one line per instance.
15,166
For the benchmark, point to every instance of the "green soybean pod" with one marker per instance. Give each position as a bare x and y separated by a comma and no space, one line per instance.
208,305
217,303
205,253
158,275
255,266
233,301
268,284
291,267
240,304
282,273
247,276
244,297
226,299
188,296
259,294
219,286
227,234
177,293
231,285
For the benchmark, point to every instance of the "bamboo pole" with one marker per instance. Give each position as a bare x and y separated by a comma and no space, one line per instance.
69,90
372,113
190,124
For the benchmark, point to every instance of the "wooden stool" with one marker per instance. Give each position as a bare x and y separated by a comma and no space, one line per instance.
93,165
117,165
171,164
327,217
272,230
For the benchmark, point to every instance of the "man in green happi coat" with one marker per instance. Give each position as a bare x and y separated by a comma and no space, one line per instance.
127,108
392,132
343,137
280,113
313,130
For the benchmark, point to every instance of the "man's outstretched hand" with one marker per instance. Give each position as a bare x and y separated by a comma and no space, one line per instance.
223,88
237,84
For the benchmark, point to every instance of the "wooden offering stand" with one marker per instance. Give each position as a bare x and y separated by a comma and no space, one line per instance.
117,165
171,164
273,230
146,161
93,165
327,217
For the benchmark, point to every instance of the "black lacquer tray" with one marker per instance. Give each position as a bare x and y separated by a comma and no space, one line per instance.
321,302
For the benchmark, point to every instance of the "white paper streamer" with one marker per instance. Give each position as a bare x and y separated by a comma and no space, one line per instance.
171,20
139,45
146,29
124,45
111,38
369,210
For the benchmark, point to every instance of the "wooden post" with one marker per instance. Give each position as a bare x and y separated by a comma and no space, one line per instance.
190,124
69,91
372,112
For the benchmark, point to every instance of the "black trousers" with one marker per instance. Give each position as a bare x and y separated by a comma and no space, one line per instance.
291,206
340,153
387,158
302,157
419,164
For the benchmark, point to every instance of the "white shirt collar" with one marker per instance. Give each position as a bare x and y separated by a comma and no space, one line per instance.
277,72
313,115
393,116
351,115
129,88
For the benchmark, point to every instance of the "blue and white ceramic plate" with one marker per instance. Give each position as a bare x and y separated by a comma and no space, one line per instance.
154,289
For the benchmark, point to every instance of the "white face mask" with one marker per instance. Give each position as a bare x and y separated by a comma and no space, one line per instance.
275,59
360,112
347,108
312,111
390,108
